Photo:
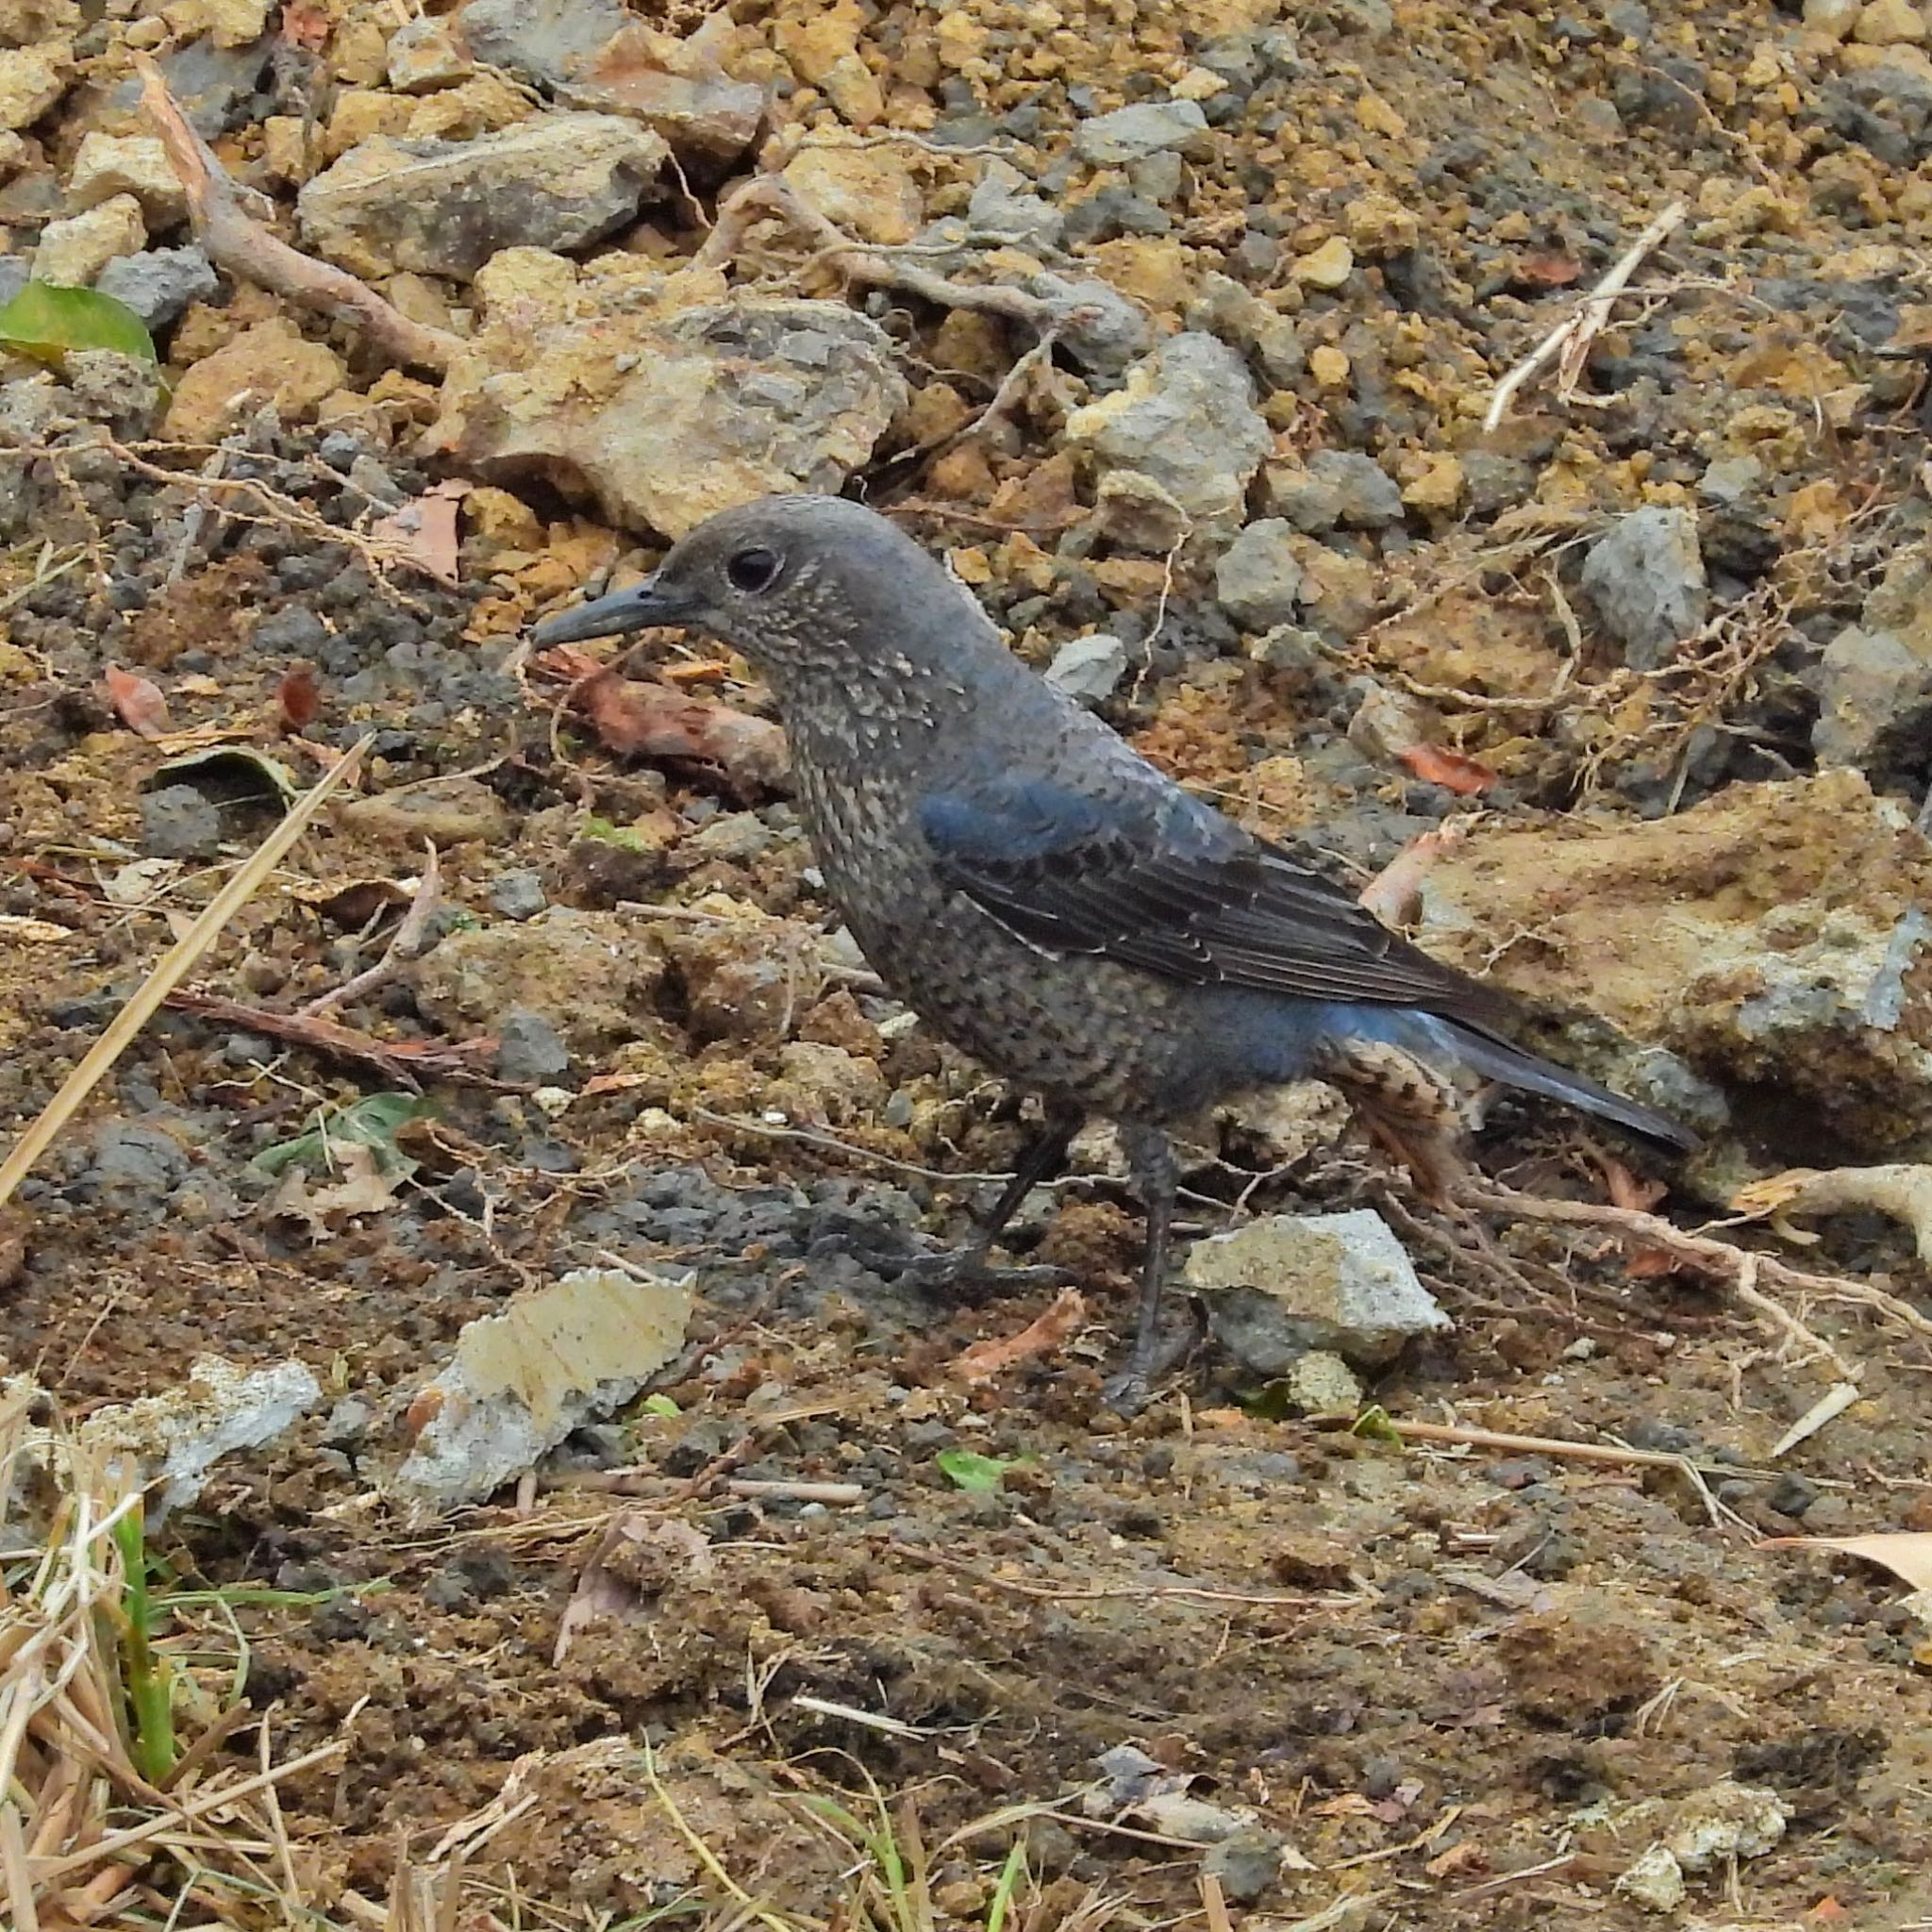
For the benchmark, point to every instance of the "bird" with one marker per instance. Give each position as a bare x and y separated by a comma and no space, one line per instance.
1051,903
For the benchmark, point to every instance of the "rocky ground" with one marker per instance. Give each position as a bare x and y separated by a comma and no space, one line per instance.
1197,338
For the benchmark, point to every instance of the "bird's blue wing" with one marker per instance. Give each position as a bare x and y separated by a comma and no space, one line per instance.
1158,880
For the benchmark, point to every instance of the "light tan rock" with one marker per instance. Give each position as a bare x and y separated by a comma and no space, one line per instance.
31,80
135,164
866,191
271,361
75,251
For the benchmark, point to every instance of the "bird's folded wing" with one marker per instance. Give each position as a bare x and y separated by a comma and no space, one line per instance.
1162,882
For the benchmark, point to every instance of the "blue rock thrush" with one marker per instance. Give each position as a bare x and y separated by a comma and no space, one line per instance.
1046,899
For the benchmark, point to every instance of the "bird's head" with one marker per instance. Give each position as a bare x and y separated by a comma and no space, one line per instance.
798,584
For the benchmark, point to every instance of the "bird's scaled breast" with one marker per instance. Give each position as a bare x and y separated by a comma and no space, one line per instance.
1080,1026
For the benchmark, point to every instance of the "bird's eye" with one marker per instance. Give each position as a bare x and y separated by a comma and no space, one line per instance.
753,570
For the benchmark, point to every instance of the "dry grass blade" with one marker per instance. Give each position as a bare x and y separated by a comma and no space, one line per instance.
72,1740
174,968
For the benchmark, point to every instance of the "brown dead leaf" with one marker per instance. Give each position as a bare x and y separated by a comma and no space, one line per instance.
1459,1861
1907,1553
137,701
1551,268
1454,771
362,1188
1627,1190
1042,1336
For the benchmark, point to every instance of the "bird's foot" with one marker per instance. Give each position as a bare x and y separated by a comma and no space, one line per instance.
1155,1356
967,1274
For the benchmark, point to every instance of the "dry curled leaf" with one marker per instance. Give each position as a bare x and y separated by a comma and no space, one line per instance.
639,720
137,701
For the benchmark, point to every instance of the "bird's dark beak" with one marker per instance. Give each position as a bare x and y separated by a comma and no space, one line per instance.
643,605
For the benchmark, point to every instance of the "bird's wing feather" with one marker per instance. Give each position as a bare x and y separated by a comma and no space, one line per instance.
1158,880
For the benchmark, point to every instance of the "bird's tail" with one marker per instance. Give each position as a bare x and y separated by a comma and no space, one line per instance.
1497,1060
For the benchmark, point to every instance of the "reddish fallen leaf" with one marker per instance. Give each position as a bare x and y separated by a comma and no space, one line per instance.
137,701
1452,769
639,720
1042,1336
298,696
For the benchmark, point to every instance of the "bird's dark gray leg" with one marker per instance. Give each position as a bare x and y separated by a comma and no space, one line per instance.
1156,1178
967,1264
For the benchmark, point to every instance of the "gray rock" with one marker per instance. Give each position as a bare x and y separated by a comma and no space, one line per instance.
517,894
134,1163
212,83
1103,330
1224,307
1494,482
528,1049
13,276
178,822
444,208
1088,668
159,283
1875,680
122,391
1368,497
1645,578
595,54
1293,493
1294,1282
1186,417
1156,179
1148,127
1257,580
1003,204
1246,1864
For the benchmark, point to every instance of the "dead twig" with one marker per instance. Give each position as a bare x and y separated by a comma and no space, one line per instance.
159,988
408,1062
1569,343
413,936
247,248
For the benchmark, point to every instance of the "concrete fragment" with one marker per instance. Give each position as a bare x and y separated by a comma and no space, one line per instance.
664,416
1319,1383
1653,1880
1186,417
1724,1820
1293,1282
520,1382
444,208
168,1443
1646,580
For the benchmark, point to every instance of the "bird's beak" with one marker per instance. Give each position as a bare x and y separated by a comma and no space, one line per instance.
643,605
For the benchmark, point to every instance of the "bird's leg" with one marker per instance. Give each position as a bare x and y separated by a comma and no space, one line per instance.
1156,1178
966,1266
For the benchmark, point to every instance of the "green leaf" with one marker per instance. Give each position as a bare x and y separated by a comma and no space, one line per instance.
659,1404
974,1472
373,1121
46,321
1375,1425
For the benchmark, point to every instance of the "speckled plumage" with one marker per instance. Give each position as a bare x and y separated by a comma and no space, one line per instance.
1038,894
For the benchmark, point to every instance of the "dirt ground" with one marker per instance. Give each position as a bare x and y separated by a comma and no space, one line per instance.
1419,1684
